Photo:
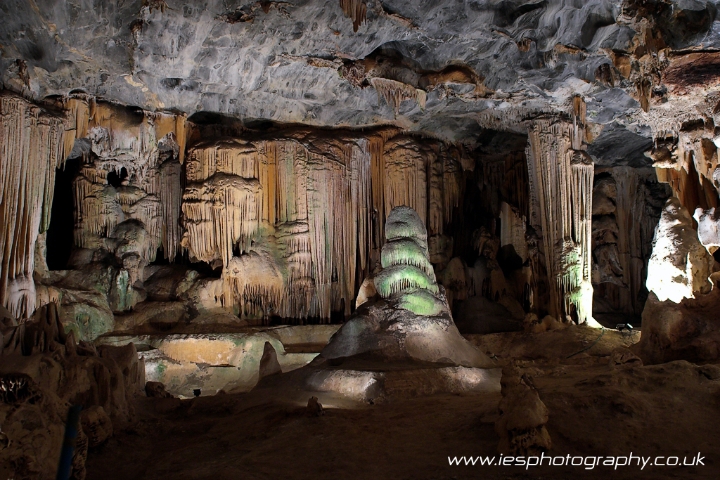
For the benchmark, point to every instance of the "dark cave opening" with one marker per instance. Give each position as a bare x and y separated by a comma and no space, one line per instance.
60,234
116,178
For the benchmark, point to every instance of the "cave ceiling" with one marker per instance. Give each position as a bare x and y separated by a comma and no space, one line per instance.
445,69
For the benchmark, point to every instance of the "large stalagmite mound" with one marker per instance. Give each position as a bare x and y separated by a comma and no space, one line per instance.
412,321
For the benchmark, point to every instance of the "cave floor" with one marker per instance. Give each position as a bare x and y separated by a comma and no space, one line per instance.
671,409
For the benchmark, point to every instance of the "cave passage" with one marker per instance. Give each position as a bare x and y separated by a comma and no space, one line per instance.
60,235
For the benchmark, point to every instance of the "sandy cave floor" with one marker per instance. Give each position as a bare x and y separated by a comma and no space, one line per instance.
671,409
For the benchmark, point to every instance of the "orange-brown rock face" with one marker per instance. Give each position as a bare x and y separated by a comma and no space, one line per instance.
295,221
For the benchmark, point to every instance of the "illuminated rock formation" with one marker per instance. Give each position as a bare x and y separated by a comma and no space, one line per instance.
679,266
144,152
412,320
407,276
31,150
193,177
316,206
561,177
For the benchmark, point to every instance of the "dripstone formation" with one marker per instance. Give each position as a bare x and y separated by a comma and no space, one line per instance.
411,320
343,208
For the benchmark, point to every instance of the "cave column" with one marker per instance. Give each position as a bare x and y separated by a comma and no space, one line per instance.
31,149
561,177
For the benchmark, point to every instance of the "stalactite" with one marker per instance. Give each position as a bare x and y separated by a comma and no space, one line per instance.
561,207
405,179
320,205
150,148
170,201
394,92
174,125
688,162
97,211
294,240
360,179
78,113
254,283
376,145
512,230
267,174
221,215
31,149
149,211
356,10
515,183
452,186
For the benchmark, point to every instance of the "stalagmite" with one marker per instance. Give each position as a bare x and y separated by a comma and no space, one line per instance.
561,177
404,255
318,203
31,149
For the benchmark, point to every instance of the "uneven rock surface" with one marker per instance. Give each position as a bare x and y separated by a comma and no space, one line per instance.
304,62
689,330
261,203
592,408
42,373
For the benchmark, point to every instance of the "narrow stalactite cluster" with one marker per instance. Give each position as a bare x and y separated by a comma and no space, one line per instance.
561,179
394,92
355,10
32,147
315,206
688,161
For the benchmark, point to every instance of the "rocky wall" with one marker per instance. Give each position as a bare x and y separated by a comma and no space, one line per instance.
295,219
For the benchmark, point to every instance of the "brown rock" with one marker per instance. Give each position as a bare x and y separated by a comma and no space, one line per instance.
523,416
269,364
156,390
314,408
623,356
96,425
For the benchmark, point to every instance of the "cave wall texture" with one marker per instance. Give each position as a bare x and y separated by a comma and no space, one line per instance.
238,157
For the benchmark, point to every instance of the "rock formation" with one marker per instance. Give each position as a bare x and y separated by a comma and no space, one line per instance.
412,320
264,210
207,192
407,277
523,416
32,149
561,177
627,203
679,266
43,372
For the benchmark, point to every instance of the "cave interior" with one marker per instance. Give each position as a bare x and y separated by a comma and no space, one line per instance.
359,239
